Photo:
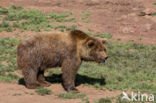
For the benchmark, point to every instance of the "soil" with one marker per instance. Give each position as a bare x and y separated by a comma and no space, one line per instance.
121,18
14,93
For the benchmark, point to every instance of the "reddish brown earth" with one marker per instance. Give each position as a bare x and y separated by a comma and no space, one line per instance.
14,93
118,17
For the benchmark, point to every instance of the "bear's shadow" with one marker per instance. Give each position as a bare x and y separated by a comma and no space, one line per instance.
80,79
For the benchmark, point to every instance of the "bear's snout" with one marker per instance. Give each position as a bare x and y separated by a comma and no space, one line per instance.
106,58
103,60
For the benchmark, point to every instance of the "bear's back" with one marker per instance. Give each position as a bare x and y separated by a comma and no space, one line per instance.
48,39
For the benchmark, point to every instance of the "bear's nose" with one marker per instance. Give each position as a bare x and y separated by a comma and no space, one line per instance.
103,60
106,58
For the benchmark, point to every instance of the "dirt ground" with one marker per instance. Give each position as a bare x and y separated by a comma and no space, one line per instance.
118,17
13,93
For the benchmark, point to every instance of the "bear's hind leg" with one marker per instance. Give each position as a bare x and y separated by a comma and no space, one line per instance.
30,78
41,79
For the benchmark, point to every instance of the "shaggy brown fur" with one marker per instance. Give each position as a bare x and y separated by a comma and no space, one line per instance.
48,50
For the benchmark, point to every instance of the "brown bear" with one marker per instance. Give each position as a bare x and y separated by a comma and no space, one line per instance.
47,50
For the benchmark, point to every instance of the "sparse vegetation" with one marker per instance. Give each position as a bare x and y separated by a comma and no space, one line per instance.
131,40
104,100
43,91
119,39
17,94
71,95
29,93
85,100
8,59
17,18
102,35
9,77
154,14
85,16
140,39
62,17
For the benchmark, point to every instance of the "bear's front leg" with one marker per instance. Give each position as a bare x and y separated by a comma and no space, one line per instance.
69,71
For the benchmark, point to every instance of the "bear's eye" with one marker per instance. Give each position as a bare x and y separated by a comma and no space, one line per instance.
91,44
105,49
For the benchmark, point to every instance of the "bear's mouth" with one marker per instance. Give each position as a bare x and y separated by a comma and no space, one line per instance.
102,61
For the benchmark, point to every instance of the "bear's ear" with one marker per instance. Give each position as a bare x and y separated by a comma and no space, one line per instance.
104,40
79,34
90,43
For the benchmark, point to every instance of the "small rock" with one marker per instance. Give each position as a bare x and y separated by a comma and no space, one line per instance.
147,11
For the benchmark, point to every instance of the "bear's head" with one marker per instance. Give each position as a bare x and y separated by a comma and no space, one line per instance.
93,49
90,48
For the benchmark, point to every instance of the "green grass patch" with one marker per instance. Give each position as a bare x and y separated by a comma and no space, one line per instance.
85,16
119,39
102,35
85,100
16,17
5,26
154,14
104,100
17,94
9,77
71,95
62,17
154,3
8,59
57,15
43,91
131,40
64,27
